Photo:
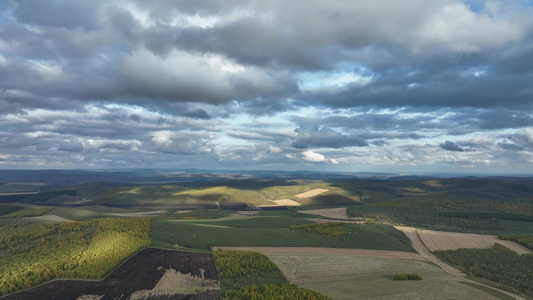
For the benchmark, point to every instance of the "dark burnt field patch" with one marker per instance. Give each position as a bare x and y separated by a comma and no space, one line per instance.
150,274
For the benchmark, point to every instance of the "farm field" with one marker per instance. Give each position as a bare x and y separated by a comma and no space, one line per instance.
355,276
440,240
311,193
270,232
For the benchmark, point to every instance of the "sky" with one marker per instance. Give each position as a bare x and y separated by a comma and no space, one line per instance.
352,86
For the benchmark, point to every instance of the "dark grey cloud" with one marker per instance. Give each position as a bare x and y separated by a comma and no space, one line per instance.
71,146
451,146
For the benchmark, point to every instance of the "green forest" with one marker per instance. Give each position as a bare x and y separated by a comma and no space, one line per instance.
498,264
31,254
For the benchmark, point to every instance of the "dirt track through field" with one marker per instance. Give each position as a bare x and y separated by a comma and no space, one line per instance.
327,251
420,247
311,193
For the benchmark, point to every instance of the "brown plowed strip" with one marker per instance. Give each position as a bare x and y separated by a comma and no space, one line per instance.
327,251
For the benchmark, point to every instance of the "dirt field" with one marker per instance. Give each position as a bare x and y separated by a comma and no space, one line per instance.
311,193
334,213
437,240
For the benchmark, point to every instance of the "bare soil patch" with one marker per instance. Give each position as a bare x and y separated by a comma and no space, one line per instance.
334,213
311,193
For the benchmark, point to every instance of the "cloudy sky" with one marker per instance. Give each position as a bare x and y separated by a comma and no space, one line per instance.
384,85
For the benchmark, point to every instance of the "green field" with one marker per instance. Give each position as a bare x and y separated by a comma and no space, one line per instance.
270,231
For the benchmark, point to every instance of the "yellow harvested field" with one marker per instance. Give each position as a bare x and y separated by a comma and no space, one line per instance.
287,202
334,213
441,240
311,193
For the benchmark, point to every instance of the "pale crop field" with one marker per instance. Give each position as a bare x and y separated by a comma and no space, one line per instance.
342,276
346,274
441,240
311,193
287,202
